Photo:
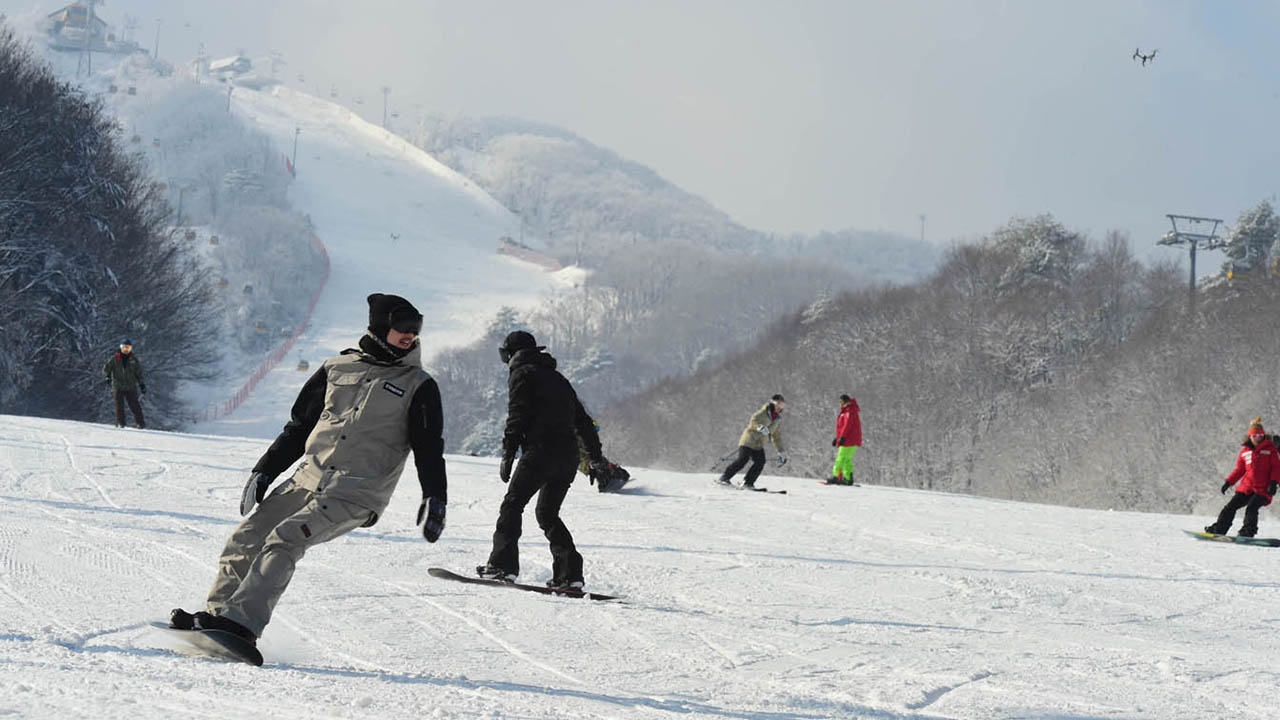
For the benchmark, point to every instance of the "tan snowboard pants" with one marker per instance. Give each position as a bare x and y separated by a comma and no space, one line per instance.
259,558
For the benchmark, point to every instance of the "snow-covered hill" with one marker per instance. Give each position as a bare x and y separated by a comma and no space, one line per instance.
822,603
578,193
393,220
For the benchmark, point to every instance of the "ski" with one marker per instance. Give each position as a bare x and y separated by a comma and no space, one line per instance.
542,589
731,486
824,482
1260,542
218,644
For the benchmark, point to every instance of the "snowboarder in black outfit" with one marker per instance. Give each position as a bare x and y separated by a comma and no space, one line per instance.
544,421
123,373
354,423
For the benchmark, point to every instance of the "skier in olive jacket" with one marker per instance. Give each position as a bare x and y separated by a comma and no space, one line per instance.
354,423
765,423
544,422
123,373
1258,472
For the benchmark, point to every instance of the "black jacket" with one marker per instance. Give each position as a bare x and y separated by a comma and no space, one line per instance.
543,409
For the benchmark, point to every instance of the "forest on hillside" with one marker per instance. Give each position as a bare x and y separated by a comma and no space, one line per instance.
673,284
180,244
86,256
1036,365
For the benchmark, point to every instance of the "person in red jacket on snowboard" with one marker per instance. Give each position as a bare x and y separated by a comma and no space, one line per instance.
847,441
1258,472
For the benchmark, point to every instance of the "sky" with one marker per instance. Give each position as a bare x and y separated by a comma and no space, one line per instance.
811,115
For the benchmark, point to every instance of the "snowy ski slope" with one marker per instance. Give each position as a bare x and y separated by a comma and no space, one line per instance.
821,603
393,220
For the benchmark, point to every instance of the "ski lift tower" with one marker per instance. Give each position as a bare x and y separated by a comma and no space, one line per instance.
1187,231
86,50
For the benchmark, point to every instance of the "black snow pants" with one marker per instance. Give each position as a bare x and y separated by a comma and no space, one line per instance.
132,397
745,454
546,470
1251,503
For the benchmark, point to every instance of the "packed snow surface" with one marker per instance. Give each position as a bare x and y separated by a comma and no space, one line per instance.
825,602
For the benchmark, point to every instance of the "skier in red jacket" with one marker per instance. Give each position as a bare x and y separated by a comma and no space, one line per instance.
847,441
1258,472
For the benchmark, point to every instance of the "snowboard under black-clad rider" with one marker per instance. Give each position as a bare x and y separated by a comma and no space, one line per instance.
1258,472
544,421
765,423
354,423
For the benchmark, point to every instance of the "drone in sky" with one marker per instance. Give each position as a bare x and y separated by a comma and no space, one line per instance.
1137,55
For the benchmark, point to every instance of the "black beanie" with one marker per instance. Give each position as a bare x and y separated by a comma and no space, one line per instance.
520,340
387,310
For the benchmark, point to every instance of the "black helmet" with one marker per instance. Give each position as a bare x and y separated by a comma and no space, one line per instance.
515,342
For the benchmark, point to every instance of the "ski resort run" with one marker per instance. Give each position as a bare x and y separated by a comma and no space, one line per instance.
825,602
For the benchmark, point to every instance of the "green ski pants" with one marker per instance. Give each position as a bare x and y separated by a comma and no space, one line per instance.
843,469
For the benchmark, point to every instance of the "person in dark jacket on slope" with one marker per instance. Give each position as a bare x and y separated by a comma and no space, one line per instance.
847,441
1258,472
544,421
123,373
354,423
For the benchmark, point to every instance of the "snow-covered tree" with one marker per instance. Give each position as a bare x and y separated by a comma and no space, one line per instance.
505,321
1251,239
1041,252
86,259
821,307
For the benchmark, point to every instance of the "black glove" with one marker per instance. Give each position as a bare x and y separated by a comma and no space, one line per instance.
1225,487
600,467
254,491
504,470
835,442
432,510
143,388
1272,487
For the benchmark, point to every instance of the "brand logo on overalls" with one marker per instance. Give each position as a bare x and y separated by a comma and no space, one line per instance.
392,389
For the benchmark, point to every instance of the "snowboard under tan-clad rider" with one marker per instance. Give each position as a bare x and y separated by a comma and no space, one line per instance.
354,424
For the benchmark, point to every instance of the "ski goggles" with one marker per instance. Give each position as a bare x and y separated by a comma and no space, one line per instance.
408,325
126,348
504,354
